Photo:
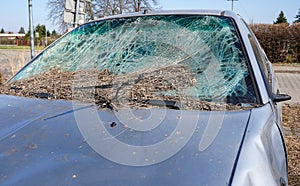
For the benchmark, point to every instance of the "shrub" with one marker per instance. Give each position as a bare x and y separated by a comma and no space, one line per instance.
280,41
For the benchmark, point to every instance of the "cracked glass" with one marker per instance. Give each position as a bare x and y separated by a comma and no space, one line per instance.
182,57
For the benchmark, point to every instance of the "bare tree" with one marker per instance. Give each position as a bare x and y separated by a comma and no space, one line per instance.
89,11
139,5
103,8
56,13
98,8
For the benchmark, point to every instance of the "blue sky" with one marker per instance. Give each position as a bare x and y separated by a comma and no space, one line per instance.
14,13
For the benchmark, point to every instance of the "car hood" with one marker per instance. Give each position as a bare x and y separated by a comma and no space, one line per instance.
57,142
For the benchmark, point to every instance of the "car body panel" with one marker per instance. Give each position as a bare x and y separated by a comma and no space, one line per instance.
49,148
262,159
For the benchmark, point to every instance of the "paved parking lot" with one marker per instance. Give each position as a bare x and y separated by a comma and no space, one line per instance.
289,81
12,60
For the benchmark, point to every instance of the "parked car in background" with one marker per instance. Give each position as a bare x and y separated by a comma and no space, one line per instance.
153,98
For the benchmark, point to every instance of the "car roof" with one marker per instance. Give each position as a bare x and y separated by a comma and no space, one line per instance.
226,13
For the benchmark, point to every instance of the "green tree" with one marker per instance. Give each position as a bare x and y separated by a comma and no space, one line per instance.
21,31
2,31
54,33
41,29
48,33
281,18
297,17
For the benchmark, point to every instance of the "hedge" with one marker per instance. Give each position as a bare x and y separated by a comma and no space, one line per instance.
281,42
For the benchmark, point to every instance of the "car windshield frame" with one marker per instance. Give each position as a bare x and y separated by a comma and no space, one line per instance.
121,25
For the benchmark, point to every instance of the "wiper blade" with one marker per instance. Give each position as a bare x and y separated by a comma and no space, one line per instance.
95,87
166,103
42,95
15,88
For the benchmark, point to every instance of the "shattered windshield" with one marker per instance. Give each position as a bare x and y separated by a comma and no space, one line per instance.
192,61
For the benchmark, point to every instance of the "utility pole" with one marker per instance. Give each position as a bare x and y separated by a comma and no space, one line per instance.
46,41
232,3
31,28
76,13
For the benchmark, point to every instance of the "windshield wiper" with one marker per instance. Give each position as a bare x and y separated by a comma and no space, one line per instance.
166,103
95,87
15,88
42,95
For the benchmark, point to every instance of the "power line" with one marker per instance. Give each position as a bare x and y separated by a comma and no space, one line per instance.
232,3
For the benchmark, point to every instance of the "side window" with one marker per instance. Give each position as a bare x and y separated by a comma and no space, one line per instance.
260,58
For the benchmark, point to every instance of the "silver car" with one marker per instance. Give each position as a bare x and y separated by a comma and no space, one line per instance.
152,98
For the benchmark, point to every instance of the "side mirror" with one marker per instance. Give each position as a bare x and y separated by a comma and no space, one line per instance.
281,97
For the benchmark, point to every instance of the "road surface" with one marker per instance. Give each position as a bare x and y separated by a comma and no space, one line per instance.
289,81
